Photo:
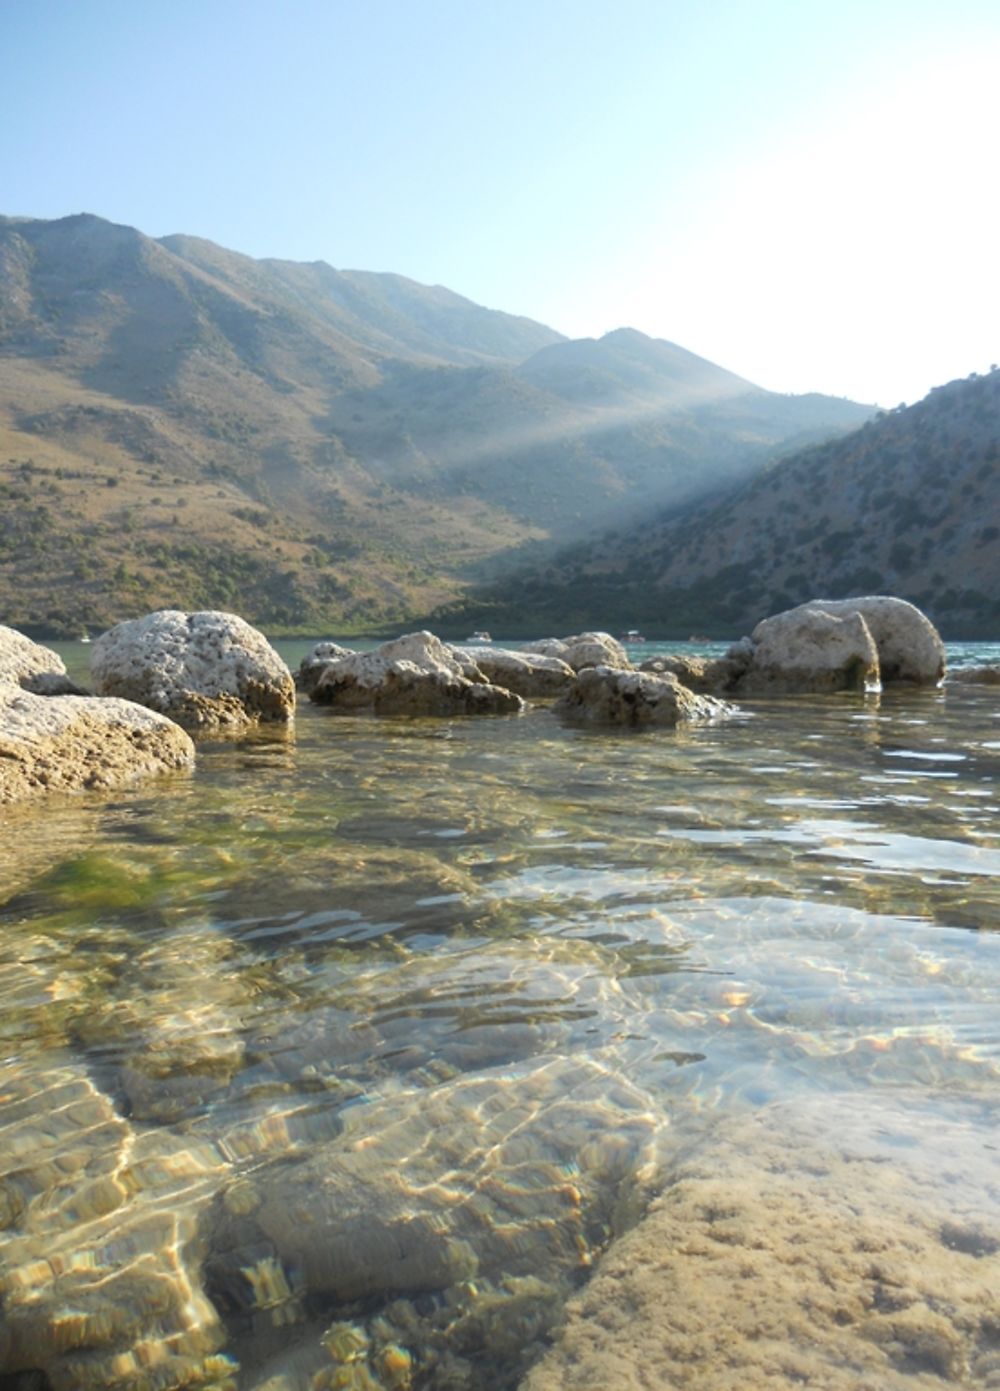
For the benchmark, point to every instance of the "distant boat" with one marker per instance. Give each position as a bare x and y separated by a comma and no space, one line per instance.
633,635
479,637
85,637
698,637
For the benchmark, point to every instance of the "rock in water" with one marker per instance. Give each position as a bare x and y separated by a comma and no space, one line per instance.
583,650
413,675
204,670
600,695
24,663
909,647
529,674
72,743
810,650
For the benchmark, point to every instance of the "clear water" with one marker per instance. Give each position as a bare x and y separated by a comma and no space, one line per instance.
341,1060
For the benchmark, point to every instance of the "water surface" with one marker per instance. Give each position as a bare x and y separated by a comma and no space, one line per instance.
341,1060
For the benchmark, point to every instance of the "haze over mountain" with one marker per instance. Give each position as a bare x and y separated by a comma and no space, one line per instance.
323,450
909,505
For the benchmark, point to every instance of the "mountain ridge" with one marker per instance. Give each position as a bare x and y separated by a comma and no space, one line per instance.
181,424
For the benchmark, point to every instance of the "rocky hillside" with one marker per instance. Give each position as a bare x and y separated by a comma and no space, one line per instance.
322,449
907,505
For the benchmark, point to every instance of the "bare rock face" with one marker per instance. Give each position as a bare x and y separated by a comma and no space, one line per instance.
312,664
600,695
32,667
811,650
529,674
413,675
909,646
72,743
583,650
204,670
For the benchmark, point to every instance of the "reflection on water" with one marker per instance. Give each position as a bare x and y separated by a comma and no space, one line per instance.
339,1062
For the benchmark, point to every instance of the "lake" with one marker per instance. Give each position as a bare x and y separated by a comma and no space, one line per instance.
349,1058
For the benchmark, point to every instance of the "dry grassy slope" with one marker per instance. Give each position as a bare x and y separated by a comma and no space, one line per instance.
320,449
908,505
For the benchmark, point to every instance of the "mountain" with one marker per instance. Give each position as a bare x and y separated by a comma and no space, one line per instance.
325,450
908,505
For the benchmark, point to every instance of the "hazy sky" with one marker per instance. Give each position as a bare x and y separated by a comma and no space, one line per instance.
804,191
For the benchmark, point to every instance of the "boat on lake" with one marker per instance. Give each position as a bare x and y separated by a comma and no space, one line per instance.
633,635
481,636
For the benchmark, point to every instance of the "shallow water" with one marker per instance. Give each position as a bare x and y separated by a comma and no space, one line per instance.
341,1060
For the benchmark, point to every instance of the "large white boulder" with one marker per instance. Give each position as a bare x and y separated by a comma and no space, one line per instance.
602,695
31,666
583,650
204,670
810,650
909,646
74,743
412,675
528,673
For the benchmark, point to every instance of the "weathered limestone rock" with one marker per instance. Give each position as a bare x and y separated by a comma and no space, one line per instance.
413,675
584,650
204,670
909,646
529,674
312,664
975,676
32,667
813,1245
810,650
72,743
703,675
600,695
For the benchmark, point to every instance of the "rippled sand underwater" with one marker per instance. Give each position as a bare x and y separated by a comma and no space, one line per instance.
386,1054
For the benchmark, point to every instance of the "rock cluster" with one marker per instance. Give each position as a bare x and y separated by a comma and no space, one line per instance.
212,672
413,675
824,645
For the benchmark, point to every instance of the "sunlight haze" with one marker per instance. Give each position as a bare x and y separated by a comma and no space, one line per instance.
804,194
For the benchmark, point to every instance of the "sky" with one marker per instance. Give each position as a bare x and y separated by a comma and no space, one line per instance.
803,191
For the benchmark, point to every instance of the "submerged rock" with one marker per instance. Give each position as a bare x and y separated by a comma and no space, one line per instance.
518,1175
583,650
412,675
32,667
74,743
600,695
827,1245
204,670
529,674
100,1265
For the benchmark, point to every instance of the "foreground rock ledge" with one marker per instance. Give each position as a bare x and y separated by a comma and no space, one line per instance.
810,1246
204,670
72,743
603,696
